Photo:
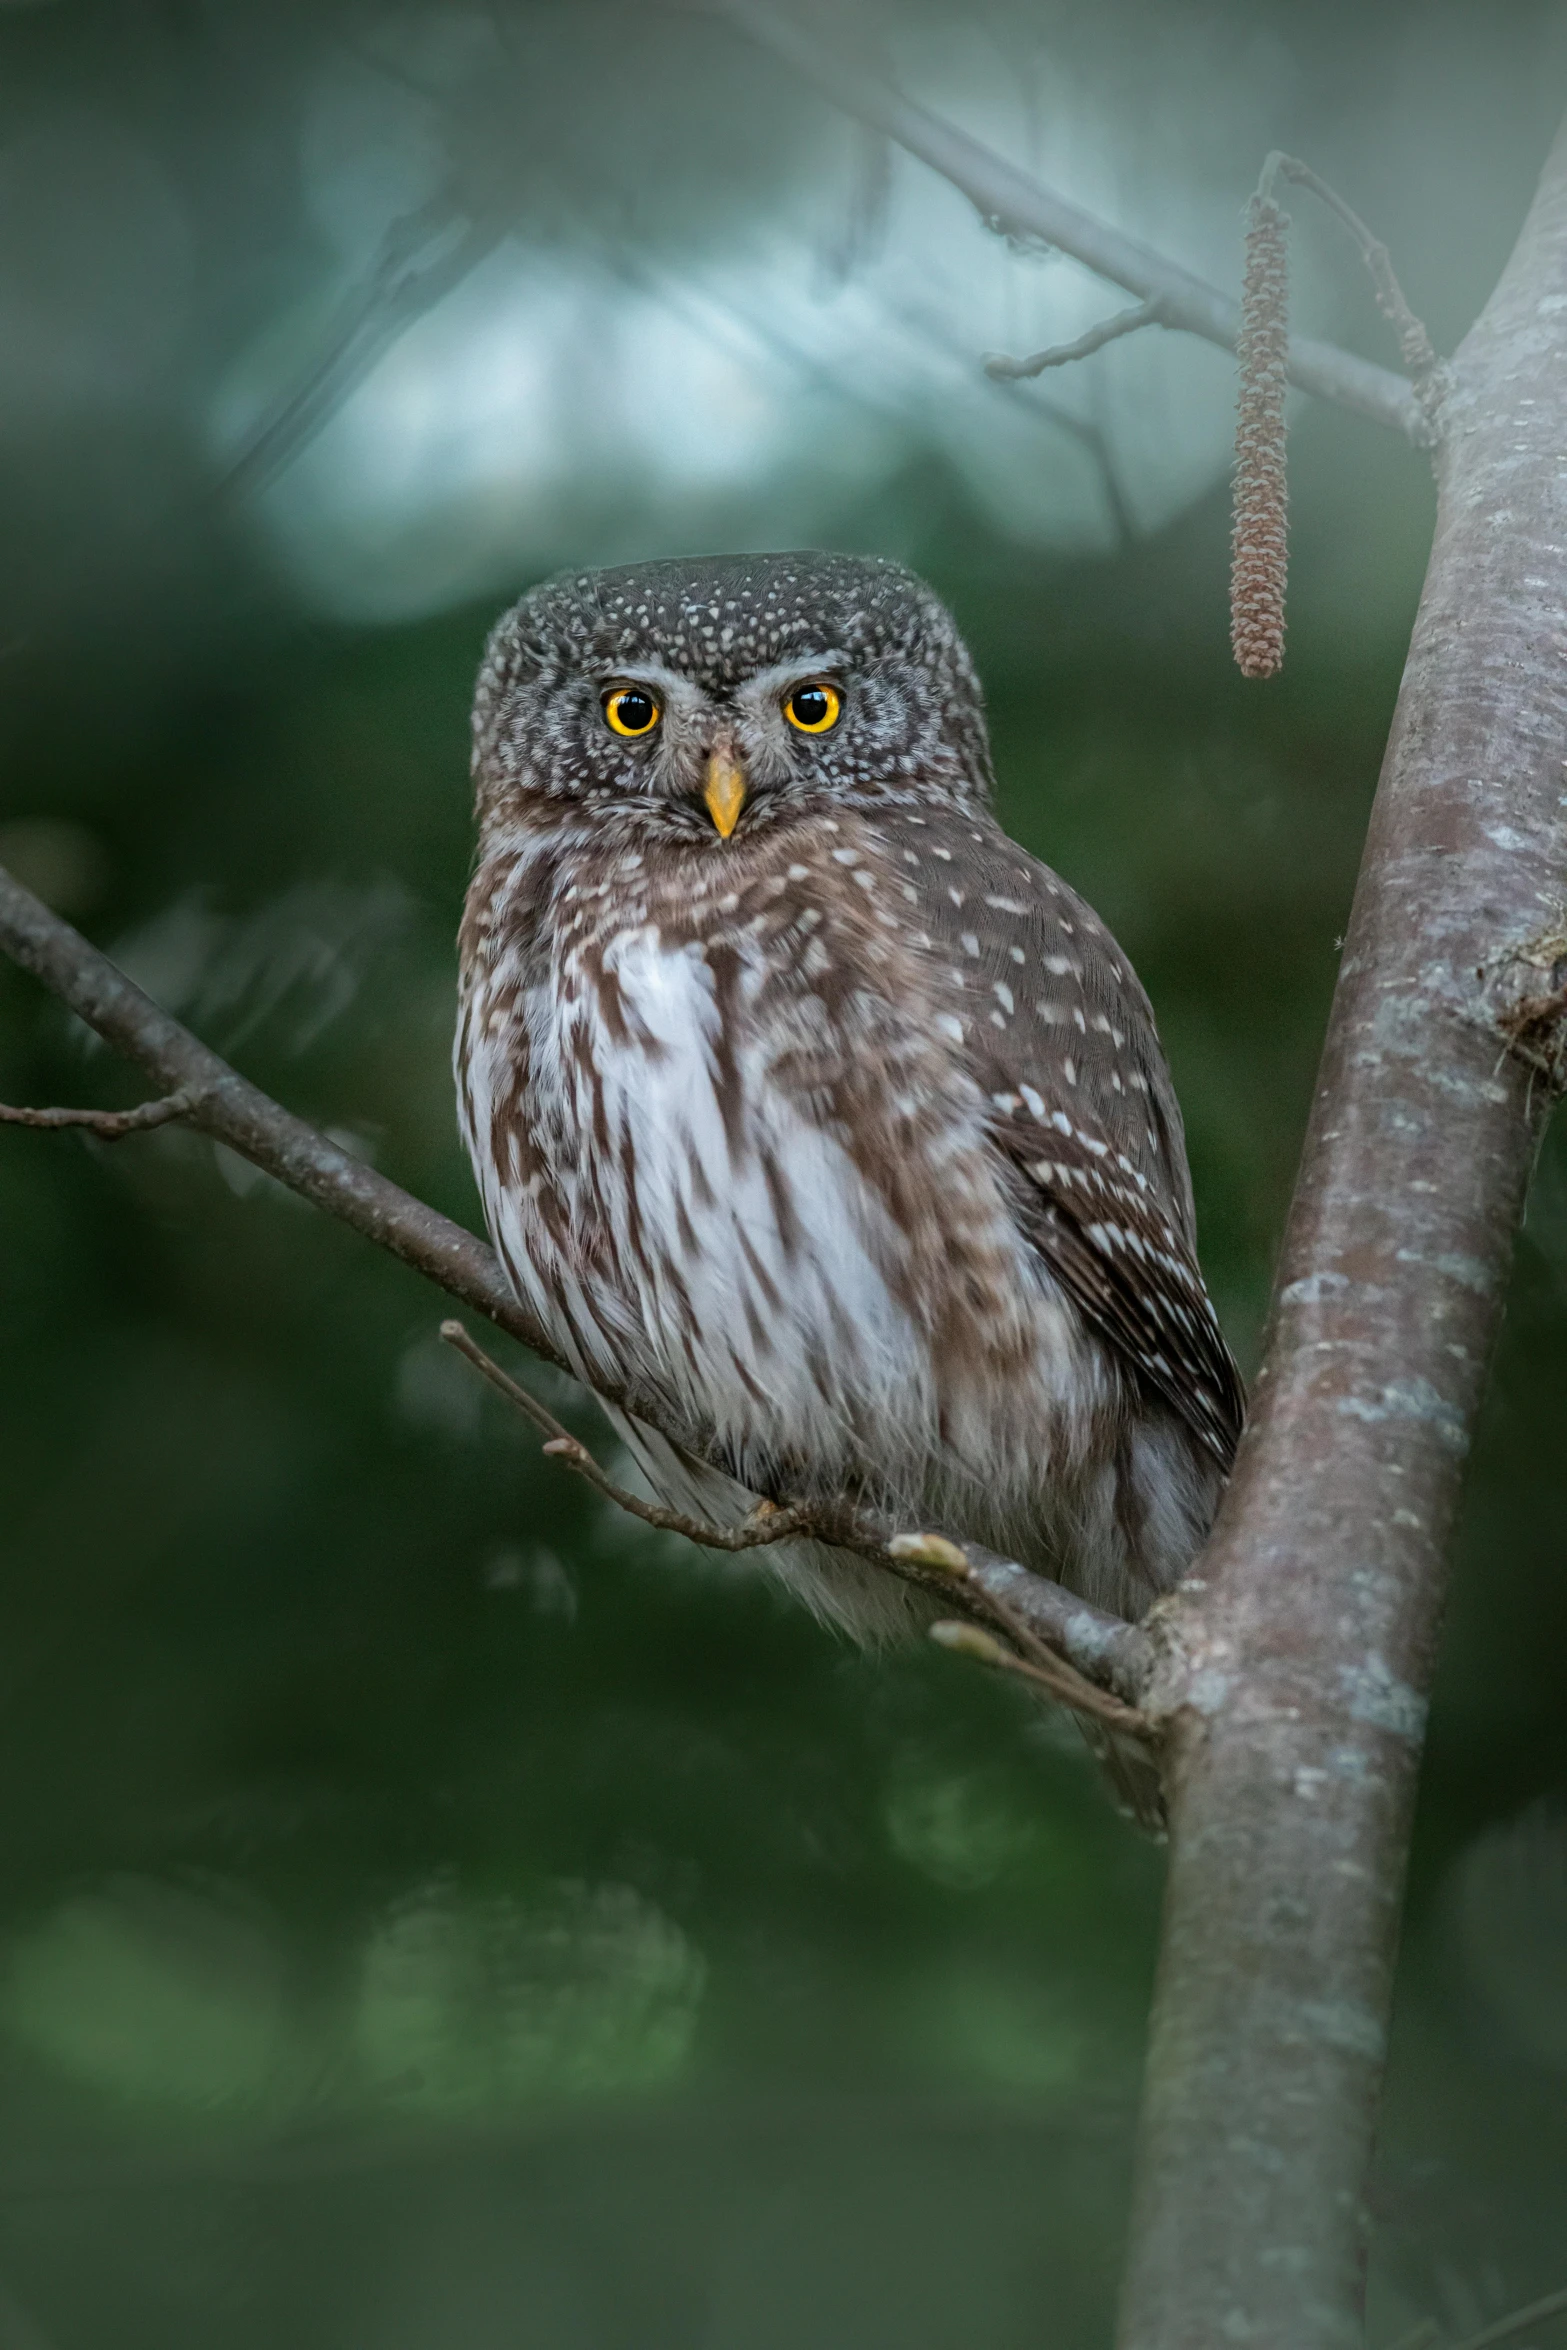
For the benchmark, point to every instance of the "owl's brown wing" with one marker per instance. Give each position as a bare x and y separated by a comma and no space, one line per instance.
1061,1037
1126,1267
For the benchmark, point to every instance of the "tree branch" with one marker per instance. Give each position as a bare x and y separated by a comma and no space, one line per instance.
1053,1627
109,1125
767,1524
1066,1688
1413,342
1109,330
929,1561
227,1107
1012,200
1299,1660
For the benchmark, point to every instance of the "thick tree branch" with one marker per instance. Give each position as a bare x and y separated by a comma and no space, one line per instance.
1023,206
1088,1651
1300,1657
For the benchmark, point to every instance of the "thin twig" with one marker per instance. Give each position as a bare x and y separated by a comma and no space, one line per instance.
423,257
1060,1682
109,1125
954,1574
1085,430
1020,205
766,1525
930,1561
1109,330
1413,342
1520,2320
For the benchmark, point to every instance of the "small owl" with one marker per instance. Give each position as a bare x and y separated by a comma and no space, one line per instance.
800,1095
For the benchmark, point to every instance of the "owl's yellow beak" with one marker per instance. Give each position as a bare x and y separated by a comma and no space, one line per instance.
724,794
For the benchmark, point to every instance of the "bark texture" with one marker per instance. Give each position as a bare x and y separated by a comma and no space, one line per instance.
1297,1666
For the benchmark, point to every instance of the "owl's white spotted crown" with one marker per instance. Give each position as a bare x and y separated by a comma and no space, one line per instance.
720,622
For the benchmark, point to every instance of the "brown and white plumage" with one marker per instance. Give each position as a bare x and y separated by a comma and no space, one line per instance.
843,1127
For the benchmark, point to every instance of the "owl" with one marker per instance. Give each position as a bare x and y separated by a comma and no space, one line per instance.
803,1099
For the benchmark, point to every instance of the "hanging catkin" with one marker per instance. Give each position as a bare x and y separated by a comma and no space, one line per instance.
1259,555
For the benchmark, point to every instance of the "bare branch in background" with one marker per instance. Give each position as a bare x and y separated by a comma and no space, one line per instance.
863,231
1413,342
1048,1622
1110,330
428,253
1507,2329
1020,205
423,257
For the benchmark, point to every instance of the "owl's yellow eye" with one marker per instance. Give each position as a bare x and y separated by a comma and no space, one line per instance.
814,708
631,709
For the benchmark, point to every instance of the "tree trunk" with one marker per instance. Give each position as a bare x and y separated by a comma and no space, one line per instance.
1298,1666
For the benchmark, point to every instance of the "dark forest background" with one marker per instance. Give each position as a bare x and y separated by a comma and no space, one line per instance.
434,1911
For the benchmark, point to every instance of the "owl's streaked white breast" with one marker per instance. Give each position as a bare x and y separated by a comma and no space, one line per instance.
739,1259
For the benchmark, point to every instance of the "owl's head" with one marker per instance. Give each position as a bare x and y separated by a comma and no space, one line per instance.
719,693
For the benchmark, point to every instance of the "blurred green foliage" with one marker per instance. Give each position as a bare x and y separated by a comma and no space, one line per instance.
434,1911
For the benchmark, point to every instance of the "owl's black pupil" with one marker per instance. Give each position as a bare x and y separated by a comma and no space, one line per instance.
635,711
810,705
